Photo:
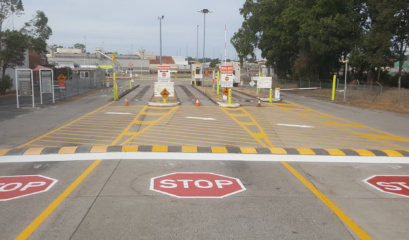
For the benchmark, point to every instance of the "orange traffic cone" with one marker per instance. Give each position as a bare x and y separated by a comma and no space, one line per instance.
126,101
197,102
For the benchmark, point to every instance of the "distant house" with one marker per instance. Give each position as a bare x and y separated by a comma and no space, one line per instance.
395,69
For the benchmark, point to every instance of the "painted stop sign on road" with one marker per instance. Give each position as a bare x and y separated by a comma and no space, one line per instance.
395,184
196,185
12,187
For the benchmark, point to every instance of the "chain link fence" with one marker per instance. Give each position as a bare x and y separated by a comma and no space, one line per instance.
81,82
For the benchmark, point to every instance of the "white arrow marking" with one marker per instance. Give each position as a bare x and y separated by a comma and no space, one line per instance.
119,113
292,125
200,118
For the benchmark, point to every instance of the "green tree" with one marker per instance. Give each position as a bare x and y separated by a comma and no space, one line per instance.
244,41
38,32
80,46
400,39
214,62
15,44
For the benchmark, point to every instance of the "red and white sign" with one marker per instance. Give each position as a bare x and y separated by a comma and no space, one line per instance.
196,185
12,187
163,73
227,70
226,78
395,184
61,84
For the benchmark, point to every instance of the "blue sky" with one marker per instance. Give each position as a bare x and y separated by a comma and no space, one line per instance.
125,26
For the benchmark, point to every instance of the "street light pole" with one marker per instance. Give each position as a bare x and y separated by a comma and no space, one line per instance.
197,43
160,34
204,11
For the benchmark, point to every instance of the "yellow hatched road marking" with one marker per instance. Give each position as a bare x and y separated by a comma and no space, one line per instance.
257,136
151,123
55,130
375,137
40,219
395,138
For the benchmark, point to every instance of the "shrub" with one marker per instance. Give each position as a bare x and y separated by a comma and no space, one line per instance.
5,84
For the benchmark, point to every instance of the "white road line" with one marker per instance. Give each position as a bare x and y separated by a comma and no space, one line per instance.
201,156
201,118
293,125
118,113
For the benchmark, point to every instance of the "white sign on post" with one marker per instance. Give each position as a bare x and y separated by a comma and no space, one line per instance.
46,83
163,74
226,76
265,82
226,80
24,84
159,86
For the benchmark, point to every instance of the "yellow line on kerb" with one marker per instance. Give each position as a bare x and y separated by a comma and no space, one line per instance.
341,215
33,226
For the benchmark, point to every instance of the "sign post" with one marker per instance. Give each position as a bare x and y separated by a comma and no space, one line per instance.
23,87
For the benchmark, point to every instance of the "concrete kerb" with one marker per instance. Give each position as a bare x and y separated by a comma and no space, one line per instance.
275,100
226,105
195,149
221,104
159,104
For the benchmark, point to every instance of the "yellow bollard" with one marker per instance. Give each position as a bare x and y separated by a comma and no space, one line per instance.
333,87
271,95
229,96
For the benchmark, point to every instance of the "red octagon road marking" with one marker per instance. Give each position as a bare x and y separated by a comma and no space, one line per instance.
12,187
196,185
394,184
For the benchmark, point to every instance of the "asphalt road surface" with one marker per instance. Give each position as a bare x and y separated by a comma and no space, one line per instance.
90,168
